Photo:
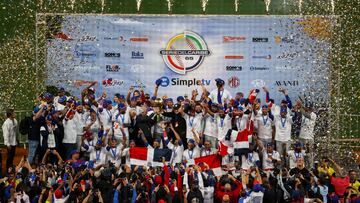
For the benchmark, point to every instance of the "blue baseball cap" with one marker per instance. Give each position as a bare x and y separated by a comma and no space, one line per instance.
49,117
121,106
62,99
265,106
75,151
219,81
269,144
61,89
283,110
36,109
48,95
99,142
180,98
192,141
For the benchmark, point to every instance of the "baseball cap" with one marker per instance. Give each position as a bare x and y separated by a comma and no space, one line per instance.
99,142
92,89
61,89
74,152
180,98
269,144
283,110
121,106
176,106
219,81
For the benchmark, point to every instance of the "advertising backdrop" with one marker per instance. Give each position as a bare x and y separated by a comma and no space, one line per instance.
245,51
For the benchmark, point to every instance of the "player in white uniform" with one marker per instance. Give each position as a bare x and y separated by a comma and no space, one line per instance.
105,114
264,124
283,124
98,154
194,121
210,128
176,146
220,95
250,160
307,132
295,154
121,121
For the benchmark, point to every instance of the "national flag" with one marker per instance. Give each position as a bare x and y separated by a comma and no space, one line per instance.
143,156
213,161
225,148
238,140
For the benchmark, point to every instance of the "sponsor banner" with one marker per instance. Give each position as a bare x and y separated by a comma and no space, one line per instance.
122,51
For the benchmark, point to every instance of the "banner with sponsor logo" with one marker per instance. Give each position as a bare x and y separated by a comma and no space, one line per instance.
245,51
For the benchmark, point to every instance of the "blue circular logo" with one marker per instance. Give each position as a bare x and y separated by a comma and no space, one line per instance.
165,81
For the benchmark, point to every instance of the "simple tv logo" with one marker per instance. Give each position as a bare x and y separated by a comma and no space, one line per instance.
185,52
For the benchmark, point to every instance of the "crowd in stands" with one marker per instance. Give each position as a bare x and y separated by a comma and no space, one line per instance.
142,148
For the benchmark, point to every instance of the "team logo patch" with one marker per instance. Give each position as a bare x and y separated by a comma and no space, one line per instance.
185,52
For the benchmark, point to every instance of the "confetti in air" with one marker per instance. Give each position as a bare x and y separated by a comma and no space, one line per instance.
236,5
138,4
204,4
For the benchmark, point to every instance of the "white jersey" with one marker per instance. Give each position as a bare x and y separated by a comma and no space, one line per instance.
136,108
293,156
229,159
80,122
241,122
119,121
283,128
59,107
90,143
249,160
207,152
193,122
267,163
126,153
307,127
98,156
177,152
264,126
256,197
114,155
223,124
105,117
191,154
225,95
94,128
69,131
208,193
210,128
51,143
10,128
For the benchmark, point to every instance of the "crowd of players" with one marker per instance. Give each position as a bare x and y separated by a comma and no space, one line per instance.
79,150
